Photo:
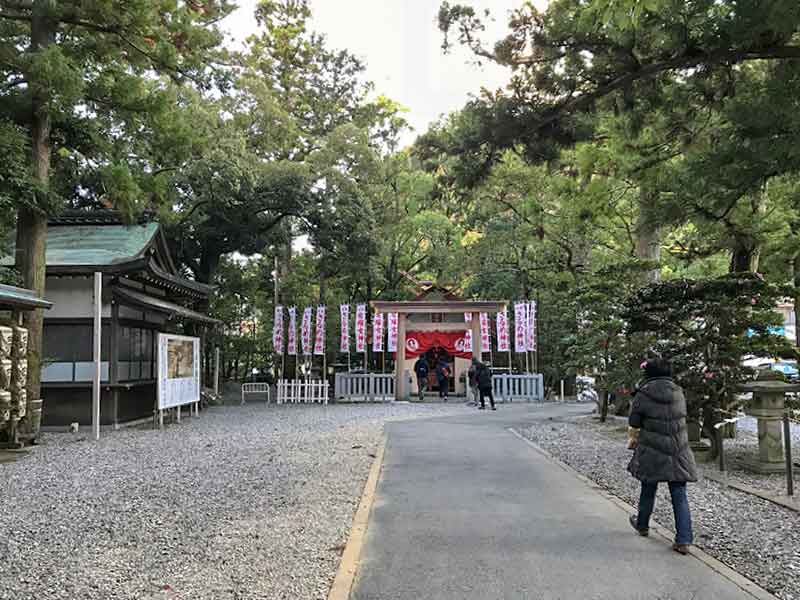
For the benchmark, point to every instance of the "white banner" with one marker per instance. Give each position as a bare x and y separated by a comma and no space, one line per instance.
391,341
277,330
468,333
305,332
291,342
532,327
178,370
520,327
502,332
344,335
319,338
486,338
377,333
361,328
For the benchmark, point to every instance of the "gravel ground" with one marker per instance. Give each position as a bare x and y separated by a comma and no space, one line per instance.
250,502
759,539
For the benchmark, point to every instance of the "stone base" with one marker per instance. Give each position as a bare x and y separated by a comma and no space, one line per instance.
756,466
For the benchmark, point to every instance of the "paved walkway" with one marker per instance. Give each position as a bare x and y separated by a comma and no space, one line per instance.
466,510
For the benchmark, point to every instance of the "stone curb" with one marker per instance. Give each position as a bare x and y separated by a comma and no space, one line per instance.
665,534
775,499
348,567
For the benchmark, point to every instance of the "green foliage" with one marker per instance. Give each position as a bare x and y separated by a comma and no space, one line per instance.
707,328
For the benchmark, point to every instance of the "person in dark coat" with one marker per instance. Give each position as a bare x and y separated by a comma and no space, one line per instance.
443,378
484,377
662,452
421,369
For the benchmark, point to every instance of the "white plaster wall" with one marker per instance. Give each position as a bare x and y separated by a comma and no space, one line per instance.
72,298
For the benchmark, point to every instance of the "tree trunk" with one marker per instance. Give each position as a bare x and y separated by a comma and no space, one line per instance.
648,236
32,224
796,274
745,255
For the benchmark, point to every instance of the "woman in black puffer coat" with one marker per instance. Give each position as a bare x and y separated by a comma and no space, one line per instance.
662,452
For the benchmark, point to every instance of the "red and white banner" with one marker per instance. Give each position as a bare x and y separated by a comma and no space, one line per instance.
344,336
502,332
468,333
361,328
486,338
520,327
277,330
291,344
319,337
391,338
305,332
419,342
532,327
377,332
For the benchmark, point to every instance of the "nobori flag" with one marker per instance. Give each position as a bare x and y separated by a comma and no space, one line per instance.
391,342
305,332
502,332
277,330
532,327
291,344
344,336
520,327
361,328
319,338
377,333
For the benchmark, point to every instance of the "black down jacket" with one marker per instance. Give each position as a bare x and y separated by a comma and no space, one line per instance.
663,452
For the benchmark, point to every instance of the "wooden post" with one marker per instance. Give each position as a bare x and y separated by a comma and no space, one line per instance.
113,363
400,380
216,370
477,347
98,365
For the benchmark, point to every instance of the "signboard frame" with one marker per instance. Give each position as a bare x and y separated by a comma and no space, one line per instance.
174,392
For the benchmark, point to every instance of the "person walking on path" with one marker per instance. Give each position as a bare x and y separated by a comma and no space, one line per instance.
662,452
421,369
443,378
484,377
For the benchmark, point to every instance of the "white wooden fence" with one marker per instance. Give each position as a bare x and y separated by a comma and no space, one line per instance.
528,387
303,392
364,387
256,388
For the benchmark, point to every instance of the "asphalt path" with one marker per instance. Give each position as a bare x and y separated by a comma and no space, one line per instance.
466,510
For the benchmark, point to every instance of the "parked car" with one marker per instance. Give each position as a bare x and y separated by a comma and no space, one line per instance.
788,368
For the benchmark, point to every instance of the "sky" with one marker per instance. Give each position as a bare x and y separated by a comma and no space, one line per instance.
401,45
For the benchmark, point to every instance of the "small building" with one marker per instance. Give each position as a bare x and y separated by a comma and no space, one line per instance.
434,326
143,293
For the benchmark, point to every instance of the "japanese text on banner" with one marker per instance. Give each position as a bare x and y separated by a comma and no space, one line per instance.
361,328
377,333
532,327
520,327
291,344
277,330
344,336
305,332
391,342
503,344
486,338
319,338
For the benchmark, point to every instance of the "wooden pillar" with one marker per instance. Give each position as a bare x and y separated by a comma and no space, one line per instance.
97,309
475,324
113,363
401,393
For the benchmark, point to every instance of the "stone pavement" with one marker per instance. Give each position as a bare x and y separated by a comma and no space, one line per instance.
466,510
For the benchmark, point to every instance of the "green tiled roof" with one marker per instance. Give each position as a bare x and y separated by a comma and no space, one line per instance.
95,245
14,297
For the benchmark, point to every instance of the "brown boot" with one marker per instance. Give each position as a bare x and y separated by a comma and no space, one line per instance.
681,548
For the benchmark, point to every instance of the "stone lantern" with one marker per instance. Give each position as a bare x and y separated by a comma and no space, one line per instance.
768,404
